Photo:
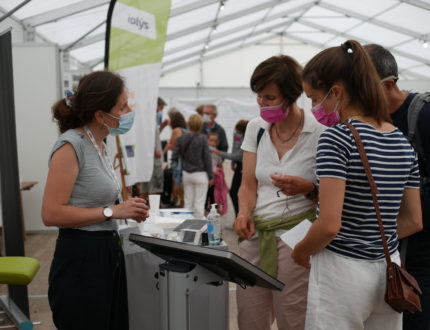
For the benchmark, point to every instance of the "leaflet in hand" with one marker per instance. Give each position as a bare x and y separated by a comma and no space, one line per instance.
295,235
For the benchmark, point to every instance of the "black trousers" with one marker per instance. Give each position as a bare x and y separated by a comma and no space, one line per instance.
418,264
235,185
87,281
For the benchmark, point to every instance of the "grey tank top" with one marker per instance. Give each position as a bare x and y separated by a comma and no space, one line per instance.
94,186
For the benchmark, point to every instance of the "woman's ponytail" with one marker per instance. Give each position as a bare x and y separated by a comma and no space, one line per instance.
64,115
350,65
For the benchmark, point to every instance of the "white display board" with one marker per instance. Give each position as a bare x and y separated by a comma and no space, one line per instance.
37,85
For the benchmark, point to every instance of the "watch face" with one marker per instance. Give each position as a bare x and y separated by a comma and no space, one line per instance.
107,212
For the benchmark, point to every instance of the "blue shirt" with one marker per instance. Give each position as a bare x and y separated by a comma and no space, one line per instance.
394,167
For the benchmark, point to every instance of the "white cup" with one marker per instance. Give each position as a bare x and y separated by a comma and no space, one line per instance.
154,204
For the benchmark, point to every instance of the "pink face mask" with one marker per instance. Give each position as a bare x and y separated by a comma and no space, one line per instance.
274,114
327,119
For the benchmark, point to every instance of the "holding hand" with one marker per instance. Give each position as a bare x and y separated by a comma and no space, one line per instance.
292,185
133,208
244,226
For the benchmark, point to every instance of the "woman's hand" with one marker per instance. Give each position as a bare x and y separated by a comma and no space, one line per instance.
133,208
292,185
301,258
211,182
244,226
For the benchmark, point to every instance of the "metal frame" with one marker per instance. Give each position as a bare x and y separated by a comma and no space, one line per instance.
224,19
10,13
372,20
361,40
239,28
62,12
417,3
84,40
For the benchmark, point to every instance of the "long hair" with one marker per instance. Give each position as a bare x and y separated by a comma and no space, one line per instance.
350,65
96,91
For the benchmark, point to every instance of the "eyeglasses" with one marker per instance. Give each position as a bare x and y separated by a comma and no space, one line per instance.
394,78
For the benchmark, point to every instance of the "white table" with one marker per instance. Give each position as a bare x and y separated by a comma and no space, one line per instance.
209,304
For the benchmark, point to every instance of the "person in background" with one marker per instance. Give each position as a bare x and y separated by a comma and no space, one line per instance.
161,123
179,127
155,184
199,109
400,103
348,274
197,173
236,157
211,126
219,191
279,150
87,280
159,114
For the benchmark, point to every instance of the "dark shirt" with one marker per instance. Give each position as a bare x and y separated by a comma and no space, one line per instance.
194,150
222,138
400,119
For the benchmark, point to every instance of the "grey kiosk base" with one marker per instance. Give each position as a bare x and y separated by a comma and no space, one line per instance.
188,267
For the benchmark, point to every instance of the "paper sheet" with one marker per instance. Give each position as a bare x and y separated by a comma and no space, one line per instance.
295,235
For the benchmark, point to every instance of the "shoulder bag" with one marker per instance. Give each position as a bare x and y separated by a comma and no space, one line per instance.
402,290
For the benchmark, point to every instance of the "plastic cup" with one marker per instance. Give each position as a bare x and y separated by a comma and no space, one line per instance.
154,204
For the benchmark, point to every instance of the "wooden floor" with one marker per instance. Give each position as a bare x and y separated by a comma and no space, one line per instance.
41,246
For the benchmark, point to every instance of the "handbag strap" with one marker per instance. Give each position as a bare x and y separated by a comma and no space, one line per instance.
373,188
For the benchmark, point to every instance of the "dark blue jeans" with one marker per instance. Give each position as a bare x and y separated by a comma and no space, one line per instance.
418,264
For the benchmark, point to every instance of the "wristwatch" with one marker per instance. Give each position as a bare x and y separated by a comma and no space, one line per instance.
313,194
107,212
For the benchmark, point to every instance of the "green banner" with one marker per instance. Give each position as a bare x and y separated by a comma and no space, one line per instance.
138,32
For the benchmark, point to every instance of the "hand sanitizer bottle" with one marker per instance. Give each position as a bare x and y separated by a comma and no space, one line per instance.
214,226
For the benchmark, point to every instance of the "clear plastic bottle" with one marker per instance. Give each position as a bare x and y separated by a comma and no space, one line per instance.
214,226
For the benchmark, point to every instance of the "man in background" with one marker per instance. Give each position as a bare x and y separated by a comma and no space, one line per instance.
211,126
410,112
155,185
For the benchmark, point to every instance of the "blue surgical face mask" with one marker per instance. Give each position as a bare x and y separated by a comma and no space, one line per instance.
125,123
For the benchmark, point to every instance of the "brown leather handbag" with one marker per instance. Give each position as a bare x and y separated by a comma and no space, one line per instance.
402,292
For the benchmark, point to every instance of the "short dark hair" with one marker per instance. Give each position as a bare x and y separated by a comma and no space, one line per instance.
160,101
241,126
282,70
383,60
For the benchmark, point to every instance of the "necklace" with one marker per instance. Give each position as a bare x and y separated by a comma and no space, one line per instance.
356,115
294,133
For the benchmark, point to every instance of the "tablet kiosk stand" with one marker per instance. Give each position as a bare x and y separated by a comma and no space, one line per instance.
188,267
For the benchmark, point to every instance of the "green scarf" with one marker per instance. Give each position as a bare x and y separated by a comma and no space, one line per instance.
267,239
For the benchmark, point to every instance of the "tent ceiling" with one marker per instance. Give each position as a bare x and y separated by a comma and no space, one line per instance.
203,29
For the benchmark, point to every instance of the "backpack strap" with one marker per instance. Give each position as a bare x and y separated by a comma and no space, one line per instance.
260,135
414,139
414,110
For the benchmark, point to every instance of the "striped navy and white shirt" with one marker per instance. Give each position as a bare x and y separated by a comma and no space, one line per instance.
394,168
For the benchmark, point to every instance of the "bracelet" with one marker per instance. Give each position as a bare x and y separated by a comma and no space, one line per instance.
313,194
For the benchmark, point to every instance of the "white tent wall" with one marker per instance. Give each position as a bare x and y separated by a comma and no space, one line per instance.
235,68
17,29
233,104
36,88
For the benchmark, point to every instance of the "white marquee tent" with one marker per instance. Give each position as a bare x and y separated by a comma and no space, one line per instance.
200,30
211,50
